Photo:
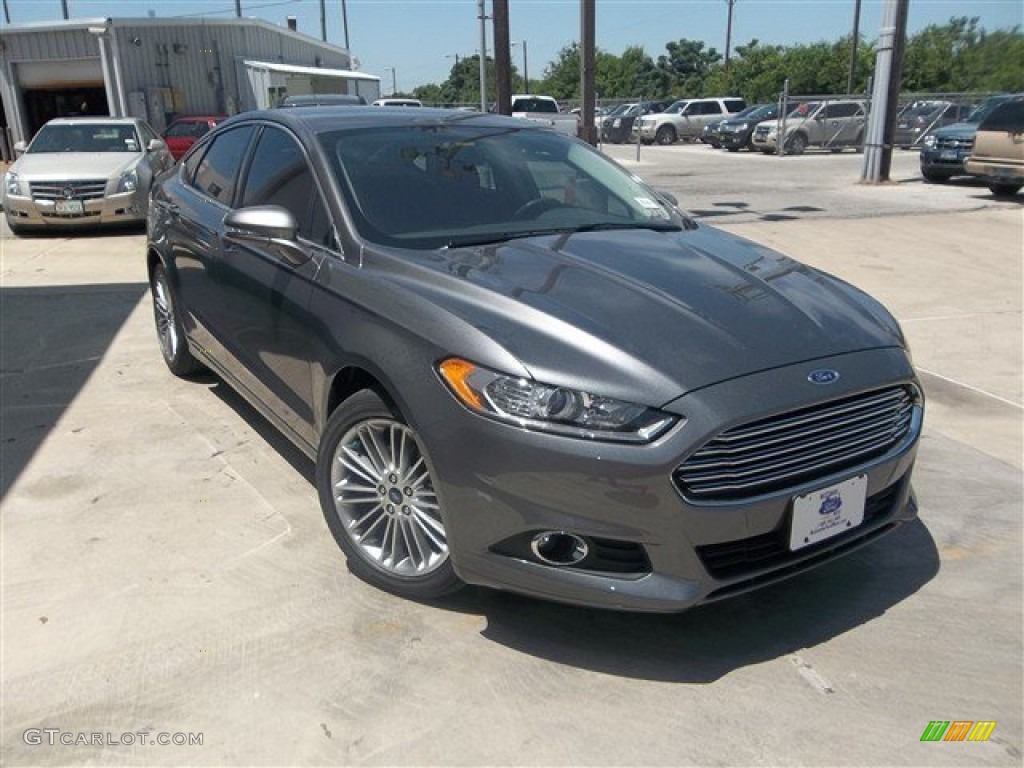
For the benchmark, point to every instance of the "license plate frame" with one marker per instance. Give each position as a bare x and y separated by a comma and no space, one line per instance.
69,207
827,512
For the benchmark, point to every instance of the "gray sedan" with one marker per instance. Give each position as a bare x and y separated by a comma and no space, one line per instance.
516,365
84,171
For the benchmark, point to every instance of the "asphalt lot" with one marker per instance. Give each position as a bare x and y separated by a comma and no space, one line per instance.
166,568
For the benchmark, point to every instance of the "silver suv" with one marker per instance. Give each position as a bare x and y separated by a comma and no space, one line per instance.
828,124
685,119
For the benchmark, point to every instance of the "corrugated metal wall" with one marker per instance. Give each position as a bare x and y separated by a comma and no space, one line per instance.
198,60
50,44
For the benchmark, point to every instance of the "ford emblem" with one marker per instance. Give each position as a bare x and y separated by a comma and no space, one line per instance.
68,192
823,376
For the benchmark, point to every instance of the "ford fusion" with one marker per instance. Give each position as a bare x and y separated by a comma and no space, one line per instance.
516,365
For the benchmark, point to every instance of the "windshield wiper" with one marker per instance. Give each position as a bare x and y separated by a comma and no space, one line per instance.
500,237
504,237
657,226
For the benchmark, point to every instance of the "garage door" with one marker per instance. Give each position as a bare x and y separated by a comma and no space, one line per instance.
59,74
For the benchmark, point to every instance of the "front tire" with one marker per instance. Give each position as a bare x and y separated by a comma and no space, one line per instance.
936,177
376,488
796,145
169,329
665,135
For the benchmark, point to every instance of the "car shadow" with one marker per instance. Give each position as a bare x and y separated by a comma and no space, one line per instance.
708,642
107,230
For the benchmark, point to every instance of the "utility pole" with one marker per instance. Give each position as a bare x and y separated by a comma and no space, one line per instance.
588,132
64,9
344,21
323,20
885,94
7,13
854,42
238,9
502,57
728,31
483,54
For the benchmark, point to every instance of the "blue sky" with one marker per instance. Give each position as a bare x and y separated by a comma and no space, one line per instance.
419,37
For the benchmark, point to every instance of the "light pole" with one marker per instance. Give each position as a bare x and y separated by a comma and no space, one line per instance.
394,80
526,72
728,32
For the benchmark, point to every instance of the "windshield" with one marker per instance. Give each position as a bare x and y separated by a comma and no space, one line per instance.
676,107
428,186
982,110
757,112
86,137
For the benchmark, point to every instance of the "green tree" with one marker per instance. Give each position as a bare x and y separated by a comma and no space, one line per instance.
689,65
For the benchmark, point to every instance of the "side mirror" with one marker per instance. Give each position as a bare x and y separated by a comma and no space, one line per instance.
20,147
267,225
155,145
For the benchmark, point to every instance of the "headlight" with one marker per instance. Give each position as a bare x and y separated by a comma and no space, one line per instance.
11,185
616,122
129,181
532,405
929,141
740,127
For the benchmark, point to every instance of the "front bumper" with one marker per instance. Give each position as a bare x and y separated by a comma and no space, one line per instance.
499,486
126,207
765,140
952,161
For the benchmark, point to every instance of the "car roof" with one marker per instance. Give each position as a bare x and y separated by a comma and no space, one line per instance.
94,119
322,119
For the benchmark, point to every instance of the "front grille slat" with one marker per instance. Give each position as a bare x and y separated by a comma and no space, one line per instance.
781,451
850,425
784,423
763,464
92,189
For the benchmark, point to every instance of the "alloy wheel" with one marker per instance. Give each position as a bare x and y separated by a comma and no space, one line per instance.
385,498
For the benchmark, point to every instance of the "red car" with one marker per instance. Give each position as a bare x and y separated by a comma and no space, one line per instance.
186,131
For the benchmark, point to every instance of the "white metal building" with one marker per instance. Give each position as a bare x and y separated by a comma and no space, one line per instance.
160,68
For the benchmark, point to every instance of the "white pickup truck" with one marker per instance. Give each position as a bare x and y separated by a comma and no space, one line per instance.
544,110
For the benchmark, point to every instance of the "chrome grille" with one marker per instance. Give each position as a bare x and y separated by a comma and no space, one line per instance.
92,189
762,130
782,451
951,142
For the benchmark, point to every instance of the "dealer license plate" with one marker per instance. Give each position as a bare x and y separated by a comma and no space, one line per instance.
68,207
828,512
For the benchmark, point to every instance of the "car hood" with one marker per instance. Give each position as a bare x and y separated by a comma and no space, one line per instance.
658,313
957,130
69,166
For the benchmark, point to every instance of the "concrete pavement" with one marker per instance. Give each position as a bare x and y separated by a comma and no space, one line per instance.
166,569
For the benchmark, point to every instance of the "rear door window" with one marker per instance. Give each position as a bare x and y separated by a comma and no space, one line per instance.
217,172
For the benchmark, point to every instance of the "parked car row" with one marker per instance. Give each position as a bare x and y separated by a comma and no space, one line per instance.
946,152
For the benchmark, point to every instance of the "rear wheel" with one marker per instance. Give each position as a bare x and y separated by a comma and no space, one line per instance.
1004,188
376,488
666,134
169,329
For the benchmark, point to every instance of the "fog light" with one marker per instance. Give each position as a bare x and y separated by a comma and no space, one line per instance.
559,548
